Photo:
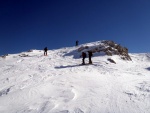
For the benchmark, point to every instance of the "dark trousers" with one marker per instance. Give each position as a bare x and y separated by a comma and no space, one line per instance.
90,61
83,62
45,53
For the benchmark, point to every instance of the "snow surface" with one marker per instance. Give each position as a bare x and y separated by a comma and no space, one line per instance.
57,83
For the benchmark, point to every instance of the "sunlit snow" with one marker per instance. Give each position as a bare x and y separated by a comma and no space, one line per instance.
57,83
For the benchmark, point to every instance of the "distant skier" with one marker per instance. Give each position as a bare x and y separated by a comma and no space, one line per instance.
45,51
90,55
83,58
77,42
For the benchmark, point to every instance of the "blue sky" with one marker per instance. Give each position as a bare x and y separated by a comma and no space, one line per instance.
34,24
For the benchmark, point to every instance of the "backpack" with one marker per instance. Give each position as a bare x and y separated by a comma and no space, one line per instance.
45,49
90,53
84,55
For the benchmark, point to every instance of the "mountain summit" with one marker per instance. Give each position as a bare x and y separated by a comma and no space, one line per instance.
33,83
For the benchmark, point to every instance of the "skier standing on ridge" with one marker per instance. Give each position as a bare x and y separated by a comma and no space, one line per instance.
77,42
83,58
90,55
45,51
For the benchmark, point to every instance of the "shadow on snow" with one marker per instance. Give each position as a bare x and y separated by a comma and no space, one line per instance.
74,53
60,67
77,55
148,68
76,65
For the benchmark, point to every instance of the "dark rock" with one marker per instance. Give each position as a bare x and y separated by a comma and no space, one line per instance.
111,60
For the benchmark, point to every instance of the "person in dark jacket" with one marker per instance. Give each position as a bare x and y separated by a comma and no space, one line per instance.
45,51
90,55
83,58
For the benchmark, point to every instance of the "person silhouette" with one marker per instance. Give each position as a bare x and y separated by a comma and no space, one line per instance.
45,51
77,42
90,55
83,58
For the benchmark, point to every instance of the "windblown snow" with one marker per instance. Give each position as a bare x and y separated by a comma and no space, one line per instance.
57,83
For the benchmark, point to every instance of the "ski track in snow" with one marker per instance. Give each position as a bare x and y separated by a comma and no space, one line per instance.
58,84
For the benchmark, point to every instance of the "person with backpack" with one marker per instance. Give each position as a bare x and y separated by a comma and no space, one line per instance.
45,51
90,55
83,58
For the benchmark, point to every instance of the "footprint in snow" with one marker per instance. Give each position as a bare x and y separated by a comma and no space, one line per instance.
78,110
4,91
64,111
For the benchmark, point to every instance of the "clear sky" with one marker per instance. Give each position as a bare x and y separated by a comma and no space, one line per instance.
35,24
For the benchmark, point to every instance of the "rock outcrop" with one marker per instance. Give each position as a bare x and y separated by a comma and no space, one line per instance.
109,48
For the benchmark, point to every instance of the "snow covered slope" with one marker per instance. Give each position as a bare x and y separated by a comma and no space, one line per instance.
33,83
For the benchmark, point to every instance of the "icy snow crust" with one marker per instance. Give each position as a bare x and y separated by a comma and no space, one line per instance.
57,83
